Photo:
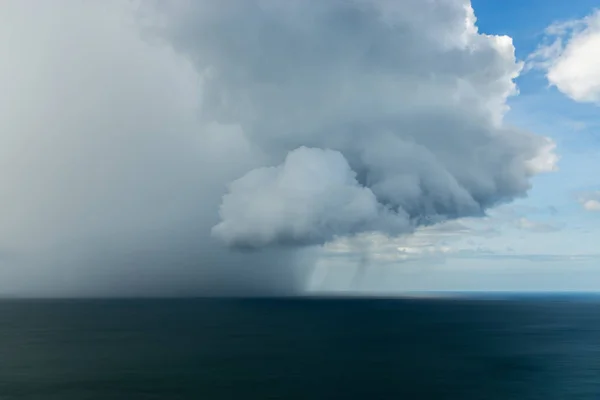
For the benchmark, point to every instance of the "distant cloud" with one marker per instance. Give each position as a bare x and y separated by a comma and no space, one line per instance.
590,201
592,205
460,238
571,58
535,226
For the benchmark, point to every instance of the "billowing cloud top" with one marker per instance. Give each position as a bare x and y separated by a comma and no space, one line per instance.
377,115
124,126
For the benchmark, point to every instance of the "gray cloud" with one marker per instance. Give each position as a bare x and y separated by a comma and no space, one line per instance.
407,95
122,134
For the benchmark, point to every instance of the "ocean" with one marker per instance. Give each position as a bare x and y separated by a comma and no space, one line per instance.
520,348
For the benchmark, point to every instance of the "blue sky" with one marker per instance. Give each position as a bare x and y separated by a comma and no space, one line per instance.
546,242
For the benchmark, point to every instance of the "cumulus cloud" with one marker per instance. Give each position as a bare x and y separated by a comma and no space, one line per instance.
590,201
131,130
312,197
571,59
407,97
592,205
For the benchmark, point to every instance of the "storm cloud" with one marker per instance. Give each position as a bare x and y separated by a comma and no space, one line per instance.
376,115
139,141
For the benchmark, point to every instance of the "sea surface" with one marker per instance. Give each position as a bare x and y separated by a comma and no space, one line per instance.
522,348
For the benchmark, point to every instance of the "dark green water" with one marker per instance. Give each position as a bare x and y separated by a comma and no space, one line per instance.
294,349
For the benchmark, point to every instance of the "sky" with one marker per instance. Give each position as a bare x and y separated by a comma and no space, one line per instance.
260,147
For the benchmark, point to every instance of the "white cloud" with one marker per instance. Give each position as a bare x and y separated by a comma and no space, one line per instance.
546,159
571,58
592,205
312,197
590,201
